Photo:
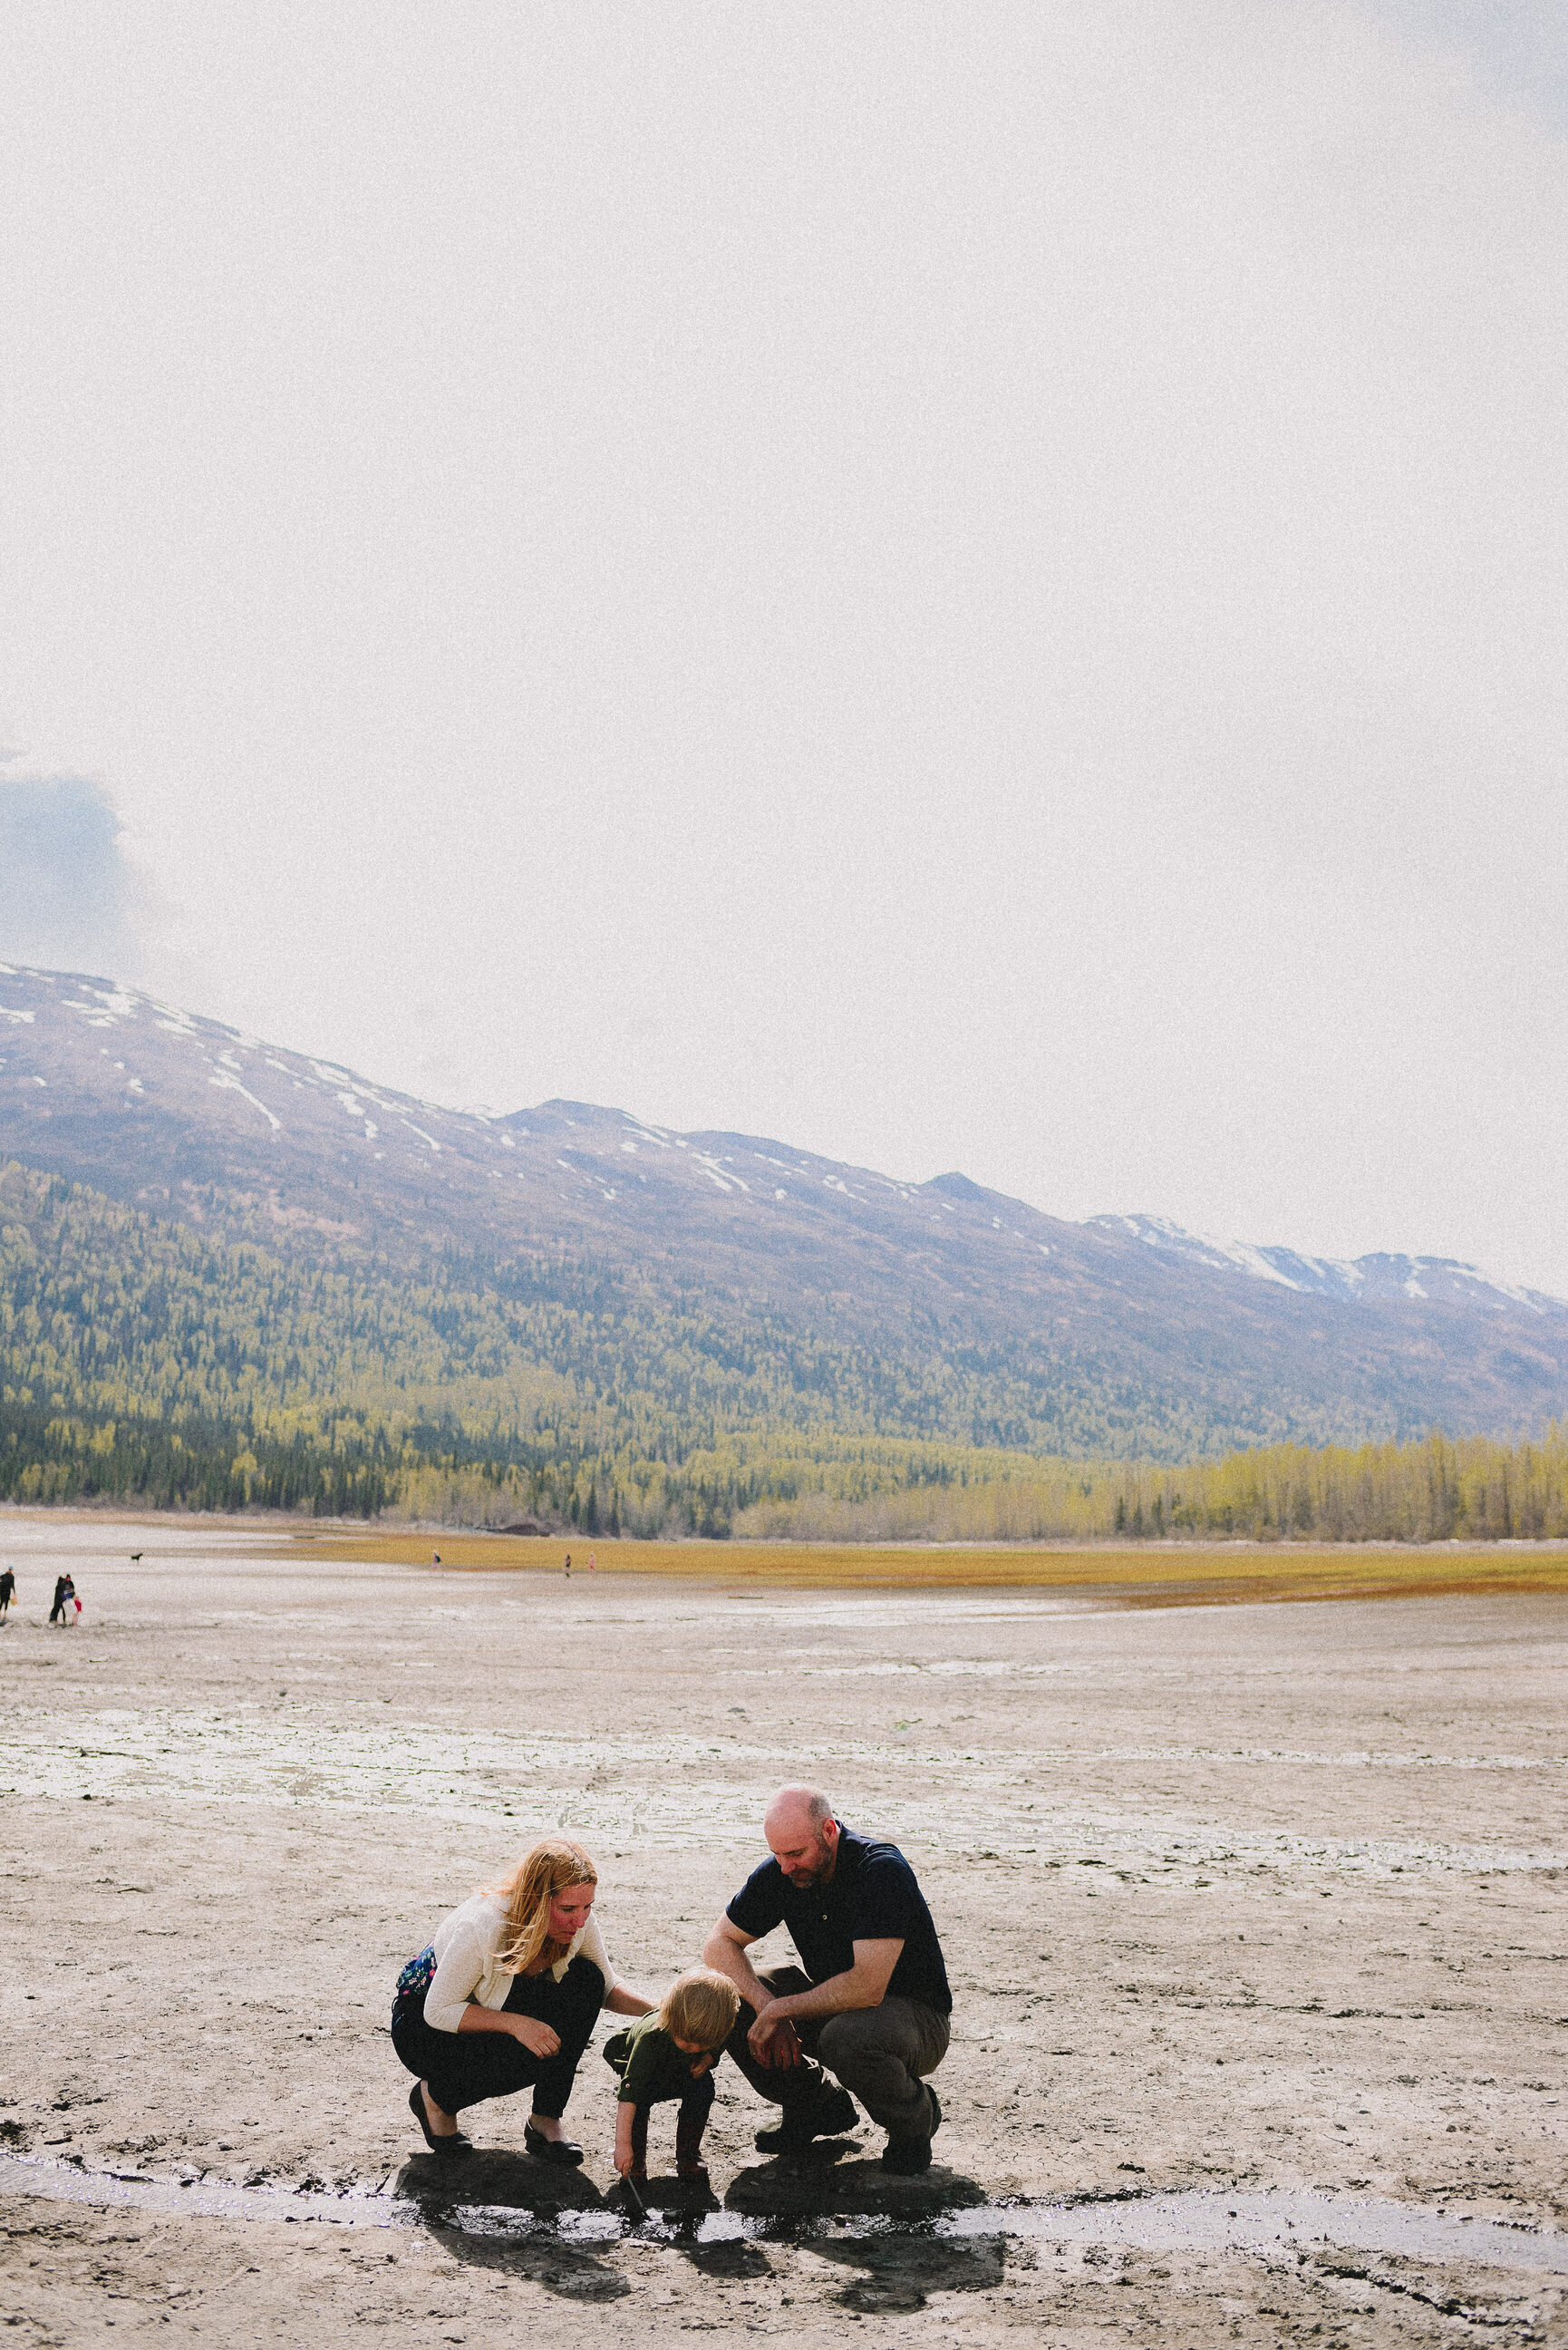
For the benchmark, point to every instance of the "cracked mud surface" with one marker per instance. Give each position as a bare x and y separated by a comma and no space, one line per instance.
1262,1897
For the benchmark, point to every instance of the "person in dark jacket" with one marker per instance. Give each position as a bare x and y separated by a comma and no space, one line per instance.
870,1999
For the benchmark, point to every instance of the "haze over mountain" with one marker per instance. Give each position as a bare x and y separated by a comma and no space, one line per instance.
1123,1333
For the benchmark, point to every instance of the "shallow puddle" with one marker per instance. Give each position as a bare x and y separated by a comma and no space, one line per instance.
66,2182
1202,2220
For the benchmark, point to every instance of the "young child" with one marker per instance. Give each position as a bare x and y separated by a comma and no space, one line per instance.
671,2055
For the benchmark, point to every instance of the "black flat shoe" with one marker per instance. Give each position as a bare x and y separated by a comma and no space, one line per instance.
456,2144
564,2150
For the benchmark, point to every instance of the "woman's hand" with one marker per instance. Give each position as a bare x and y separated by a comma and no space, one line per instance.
536,2037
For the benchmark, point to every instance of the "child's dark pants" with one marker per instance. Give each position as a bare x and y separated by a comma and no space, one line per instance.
690,2121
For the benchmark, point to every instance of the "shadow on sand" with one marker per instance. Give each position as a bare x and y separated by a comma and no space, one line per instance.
514,2182
821,2184
669,2199
896,2265
899,2268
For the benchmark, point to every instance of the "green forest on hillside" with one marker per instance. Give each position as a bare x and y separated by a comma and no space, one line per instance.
151,1362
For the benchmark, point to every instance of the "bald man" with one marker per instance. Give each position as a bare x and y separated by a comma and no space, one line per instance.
870,1996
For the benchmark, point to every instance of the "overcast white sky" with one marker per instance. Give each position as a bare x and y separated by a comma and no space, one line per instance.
970,587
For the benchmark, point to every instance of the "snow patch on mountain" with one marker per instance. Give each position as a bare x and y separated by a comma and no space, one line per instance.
1417,1278
228,1082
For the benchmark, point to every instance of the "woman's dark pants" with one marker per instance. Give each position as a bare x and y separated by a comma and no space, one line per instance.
463,2068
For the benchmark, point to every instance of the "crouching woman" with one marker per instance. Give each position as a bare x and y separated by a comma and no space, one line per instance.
505,1998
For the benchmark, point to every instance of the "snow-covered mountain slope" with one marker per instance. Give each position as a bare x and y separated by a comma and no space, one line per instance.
1361,1280
183,1117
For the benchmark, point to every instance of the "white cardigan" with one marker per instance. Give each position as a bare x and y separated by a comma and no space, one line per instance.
467,1946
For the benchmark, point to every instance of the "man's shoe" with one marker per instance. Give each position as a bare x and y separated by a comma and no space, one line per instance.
830,2116
564,2151
905,2157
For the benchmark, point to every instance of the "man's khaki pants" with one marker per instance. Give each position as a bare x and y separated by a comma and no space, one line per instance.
877,2052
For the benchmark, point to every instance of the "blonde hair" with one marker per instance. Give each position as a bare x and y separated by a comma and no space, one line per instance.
552,1865
701,2005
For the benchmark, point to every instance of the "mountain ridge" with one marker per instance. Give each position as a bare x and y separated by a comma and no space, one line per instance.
1204,1343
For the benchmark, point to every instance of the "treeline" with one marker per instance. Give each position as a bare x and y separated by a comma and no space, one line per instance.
149,1362
112,1313
1437,1490
196,1465
756,1486
425,1472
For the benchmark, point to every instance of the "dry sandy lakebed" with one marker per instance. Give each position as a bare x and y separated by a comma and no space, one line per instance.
1254,1917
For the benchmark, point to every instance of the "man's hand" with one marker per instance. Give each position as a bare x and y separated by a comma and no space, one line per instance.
772,2038
725,1950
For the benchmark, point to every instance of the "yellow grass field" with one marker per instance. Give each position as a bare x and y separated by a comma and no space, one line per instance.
1145,1577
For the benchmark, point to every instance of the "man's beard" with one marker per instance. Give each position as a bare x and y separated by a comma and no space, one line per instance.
805,1877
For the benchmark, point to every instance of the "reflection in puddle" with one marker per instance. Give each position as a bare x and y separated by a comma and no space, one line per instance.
1200,2219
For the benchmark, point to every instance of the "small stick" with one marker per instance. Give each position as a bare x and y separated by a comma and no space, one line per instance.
637,2205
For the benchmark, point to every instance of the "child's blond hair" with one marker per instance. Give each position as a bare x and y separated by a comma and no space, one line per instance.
701,2006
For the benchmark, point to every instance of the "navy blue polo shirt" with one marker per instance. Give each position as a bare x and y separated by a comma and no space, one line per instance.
871,1897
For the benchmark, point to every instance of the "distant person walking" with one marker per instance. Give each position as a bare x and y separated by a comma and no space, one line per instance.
65,1590
7,1593
505,1998
567,1569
